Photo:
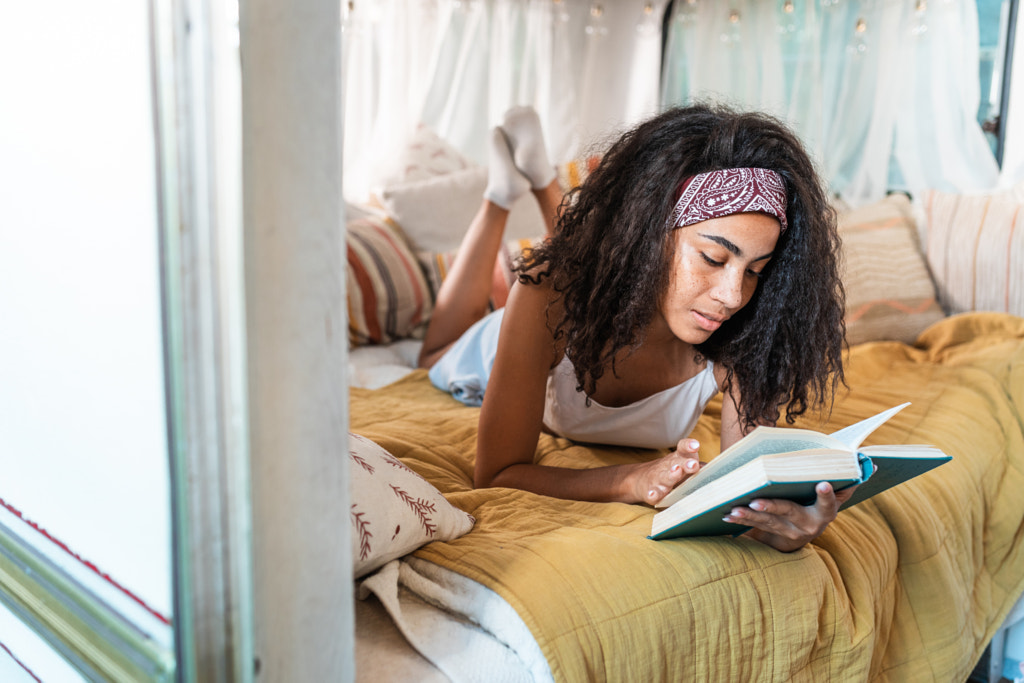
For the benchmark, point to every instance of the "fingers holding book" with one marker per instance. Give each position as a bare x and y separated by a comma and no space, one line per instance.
654,479
788,526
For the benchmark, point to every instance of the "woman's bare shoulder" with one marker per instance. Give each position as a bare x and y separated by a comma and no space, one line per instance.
533,315
721,374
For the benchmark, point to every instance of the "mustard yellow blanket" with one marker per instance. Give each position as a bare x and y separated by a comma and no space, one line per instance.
908,586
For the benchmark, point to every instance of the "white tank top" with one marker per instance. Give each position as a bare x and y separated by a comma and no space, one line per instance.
658,421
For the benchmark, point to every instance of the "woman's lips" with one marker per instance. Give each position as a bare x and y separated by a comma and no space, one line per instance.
707,323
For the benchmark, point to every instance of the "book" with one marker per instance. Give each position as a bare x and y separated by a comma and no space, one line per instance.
788,463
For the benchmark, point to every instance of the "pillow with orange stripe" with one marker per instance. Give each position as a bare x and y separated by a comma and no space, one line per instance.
573,173
975,249
890,294
388,295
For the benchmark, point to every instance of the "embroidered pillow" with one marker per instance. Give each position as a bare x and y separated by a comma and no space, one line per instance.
387,294
394,510
889,292
975,249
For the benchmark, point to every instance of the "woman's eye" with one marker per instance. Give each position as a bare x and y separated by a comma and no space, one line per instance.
756,273
709,260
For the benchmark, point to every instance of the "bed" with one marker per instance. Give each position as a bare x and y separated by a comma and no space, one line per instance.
911,585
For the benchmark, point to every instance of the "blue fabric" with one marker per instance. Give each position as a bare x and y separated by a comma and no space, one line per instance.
464,369
1013,653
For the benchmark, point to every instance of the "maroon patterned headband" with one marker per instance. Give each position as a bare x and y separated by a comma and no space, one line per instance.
733,190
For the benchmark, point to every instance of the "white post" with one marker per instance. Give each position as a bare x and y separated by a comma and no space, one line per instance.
297,339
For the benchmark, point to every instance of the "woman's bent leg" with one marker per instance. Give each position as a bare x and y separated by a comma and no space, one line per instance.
465,293
549,198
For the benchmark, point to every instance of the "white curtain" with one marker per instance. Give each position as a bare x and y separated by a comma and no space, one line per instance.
589,68
884,92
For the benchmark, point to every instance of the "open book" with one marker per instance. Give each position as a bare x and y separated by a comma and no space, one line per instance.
780,462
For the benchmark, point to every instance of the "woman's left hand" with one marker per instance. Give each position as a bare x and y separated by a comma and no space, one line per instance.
788,526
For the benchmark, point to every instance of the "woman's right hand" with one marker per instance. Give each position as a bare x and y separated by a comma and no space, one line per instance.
655,479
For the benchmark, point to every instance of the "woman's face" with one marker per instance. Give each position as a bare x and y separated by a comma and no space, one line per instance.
715,271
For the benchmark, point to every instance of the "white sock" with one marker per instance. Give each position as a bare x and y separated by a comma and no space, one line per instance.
505,184
525,136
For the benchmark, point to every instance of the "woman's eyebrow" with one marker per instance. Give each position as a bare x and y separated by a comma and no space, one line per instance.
731,246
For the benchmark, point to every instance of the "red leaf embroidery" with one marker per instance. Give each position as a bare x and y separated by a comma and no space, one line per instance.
361,462
420,506
395,462
363,527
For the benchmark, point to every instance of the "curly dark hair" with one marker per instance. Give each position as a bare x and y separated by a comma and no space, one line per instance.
610,256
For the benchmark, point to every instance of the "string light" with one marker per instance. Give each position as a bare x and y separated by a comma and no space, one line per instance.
859,45
920,25
686,12
733,35
787,27
561,11
648,24
596,25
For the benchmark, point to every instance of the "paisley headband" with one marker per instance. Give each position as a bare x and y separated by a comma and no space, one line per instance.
733,190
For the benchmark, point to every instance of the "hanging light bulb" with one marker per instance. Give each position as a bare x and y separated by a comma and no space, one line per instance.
787,25
732,35
920,25
686,12
561,11
596,25
859,45
648,24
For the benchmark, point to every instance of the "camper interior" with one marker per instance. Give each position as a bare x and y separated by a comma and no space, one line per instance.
224,228
898,101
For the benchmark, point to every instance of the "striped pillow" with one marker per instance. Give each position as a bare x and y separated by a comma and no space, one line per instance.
889,293
388,295
975,248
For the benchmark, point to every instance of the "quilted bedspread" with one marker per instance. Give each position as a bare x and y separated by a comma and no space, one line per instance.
908,586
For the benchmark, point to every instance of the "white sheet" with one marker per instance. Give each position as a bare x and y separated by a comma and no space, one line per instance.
371,367
463,628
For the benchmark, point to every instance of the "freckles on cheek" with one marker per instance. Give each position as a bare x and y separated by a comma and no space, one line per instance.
689,282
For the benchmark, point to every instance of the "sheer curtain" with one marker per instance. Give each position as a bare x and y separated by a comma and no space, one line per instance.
885,92
589,68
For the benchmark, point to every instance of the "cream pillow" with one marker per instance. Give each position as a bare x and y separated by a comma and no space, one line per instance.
434,213
889,292
394,510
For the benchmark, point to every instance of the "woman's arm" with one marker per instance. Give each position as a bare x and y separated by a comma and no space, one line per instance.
513,411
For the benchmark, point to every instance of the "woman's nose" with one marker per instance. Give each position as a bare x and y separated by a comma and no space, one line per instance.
728,289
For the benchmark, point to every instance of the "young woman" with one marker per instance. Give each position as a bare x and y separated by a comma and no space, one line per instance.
699,256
